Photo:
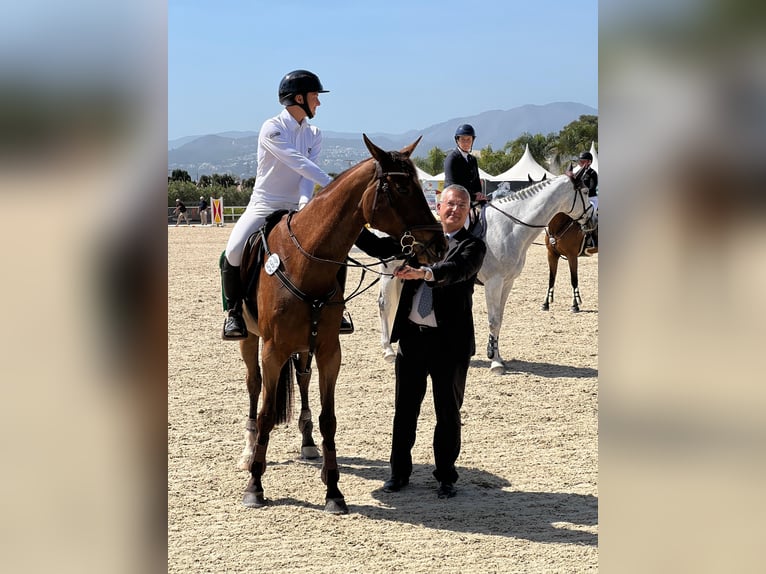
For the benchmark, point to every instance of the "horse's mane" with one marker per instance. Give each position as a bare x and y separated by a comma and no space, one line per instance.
402,162
525,193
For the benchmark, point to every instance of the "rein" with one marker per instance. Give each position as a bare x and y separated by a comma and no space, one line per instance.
316,304
586,210
407,240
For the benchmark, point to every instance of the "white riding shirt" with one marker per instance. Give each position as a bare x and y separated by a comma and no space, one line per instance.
287,172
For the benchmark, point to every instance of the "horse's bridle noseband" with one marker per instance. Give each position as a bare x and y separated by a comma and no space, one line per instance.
407,240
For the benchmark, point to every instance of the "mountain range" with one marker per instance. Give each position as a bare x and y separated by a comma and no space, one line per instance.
235,152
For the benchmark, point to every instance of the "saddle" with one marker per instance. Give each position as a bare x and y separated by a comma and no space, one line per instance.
252,260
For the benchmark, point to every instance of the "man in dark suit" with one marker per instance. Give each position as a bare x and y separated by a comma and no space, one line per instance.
435,339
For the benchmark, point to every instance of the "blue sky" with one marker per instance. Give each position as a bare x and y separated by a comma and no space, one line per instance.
390,66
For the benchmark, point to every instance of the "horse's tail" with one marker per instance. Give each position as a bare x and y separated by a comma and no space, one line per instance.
285,393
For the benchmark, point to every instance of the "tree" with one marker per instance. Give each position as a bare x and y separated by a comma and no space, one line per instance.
180,175
433,163
577,136
539,147
225,180
494,162
186,191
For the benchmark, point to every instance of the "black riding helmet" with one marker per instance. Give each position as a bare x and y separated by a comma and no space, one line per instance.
465,130
586,155
299,82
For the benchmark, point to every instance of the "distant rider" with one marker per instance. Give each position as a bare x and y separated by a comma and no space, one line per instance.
588,177
462,168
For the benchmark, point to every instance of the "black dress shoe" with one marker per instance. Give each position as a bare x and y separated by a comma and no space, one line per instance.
446,490
395,484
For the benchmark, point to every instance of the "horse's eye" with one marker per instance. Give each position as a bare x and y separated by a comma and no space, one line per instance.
403,189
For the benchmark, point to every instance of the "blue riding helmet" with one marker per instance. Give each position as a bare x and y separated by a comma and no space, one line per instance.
465,130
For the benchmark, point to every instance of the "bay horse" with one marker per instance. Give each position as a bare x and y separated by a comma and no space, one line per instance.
299,302
565,238
513,222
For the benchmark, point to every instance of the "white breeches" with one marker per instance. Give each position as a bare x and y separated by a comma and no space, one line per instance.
249,223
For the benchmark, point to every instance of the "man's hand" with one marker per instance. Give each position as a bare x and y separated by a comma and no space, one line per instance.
407,272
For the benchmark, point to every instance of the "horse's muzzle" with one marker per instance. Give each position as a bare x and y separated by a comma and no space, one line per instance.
424,253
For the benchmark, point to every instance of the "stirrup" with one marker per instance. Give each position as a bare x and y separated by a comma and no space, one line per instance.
346,324
237,330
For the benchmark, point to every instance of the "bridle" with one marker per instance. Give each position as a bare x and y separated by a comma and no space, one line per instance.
407,240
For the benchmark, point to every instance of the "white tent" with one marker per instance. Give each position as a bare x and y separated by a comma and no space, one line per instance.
422,174
438,177
594,165
525,168
484,175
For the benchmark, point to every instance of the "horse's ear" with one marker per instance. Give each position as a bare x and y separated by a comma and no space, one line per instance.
410,148
376,152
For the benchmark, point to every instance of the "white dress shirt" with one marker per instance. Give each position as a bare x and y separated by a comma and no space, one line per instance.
430,319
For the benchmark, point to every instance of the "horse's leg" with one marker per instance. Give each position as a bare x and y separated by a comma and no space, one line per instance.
576,299
329,367
496,292
309,448
264,424
249,350
553,265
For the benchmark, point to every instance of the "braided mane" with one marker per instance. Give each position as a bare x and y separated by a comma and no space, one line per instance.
525,193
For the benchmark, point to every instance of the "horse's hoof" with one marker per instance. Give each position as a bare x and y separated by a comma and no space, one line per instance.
310,453
575,309
497,368
336,506
254,499
545,307
389,355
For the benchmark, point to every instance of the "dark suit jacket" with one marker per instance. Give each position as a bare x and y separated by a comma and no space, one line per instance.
589,179
454,278
466,173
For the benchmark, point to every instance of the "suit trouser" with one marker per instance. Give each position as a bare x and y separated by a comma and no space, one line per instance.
422,353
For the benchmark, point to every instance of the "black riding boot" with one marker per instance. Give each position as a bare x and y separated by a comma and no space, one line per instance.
234,325
346,325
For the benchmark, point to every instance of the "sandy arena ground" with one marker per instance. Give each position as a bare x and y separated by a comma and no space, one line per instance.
528,488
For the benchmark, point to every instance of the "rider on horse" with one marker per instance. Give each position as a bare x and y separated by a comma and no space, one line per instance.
588,177
461,168
288,149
